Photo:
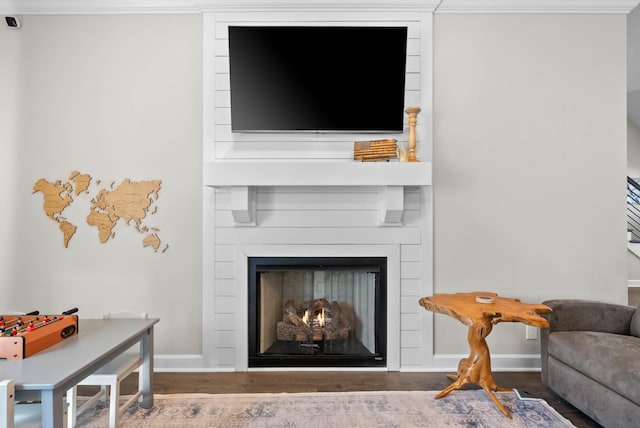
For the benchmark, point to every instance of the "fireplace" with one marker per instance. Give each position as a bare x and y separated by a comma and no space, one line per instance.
317,311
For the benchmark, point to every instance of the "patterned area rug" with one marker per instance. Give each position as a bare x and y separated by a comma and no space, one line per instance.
466,408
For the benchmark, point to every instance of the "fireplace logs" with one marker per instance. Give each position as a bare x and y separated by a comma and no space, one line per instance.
313,321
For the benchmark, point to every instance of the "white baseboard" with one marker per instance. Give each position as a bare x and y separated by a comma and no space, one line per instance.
185,363
633,283
499,362
441,363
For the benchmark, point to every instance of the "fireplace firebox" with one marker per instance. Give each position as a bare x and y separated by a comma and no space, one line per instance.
317,311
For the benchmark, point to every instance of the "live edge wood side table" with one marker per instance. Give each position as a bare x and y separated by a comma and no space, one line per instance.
480,311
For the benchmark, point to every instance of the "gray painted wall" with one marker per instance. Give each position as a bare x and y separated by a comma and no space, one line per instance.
116,96
529,159
526,107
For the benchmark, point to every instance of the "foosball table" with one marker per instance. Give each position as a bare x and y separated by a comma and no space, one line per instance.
23,335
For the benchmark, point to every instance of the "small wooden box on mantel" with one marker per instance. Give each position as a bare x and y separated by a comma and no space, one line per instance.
375,150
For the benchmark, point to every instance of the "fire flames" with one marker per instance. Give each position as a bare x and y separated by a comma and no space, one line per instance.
319,320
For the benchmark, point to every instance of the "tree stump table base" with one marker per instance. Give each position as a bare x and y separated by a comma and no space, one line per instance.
470,309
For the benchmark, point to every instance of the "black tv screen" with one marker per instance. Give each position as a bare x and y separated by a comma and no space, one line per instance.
317,79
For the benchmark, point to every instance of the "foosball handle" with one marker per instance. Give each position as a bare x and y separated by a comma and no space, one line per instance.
70,311
33,313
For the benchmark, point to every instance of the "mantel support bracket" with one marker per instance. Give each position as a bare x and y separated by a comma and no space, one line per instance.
243,205
391,205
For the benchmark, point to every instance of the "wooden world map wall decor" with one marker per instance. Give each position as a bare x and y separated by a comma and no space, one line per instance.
128,202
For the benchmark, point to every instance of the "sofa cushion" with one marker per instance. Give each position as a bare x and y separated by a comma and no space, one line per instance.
635,323
610,359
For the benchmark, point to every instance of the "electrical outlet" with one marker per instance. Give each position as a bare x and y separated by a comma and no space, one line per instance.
531,333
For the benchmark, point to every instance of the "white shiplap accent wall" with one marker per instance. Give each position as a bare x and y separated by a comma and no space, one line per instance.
299,222
312,220
227,146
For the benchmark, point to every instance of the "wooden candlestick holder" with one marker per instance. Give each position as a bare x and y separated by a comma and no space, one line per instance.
412,112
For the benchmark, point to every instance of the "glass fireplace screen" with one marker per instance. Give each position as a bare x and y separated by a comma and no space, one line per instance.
317,312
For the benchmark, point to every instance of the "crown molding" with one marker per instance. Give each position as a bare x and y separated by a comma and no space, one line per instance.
537,6
317,5
64,7
70,7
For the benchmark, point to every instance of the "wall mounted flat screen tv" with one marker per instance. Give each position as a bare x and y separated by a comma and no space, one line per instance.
317,79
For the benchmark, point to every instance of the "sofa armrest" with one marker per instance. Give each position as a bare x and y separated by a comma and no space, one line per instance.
582,315
587,315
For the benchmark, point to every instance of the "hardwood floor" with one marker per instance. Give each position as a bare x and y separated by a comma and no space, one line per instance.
257,382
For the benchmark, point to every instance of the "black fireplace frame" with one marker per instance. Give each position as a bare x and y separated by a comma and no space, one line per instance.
256,265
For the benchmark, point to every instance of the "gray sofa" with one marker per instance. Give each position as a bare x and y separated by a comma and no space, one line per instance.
591,358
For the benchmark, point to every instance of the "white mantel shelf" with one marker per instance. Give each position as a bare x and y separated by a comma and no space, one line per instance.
389,178
225,174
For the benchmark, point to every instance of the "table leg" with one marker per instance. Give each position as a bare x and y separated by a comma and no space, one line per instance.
476,368
146,371
52,409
